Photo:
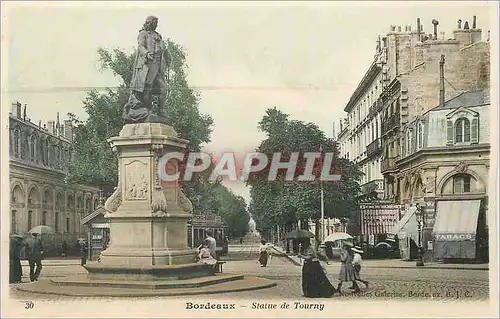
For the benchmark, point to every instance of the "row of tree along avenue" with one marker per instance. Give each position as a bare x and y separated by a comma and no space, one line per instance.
96,164
286,201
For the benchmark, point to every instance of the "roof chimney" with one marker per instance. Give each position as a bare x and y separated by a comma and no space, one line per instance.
50,126
474,19
466,25
459,21
24,112
419,29
16,109
441,81
435,23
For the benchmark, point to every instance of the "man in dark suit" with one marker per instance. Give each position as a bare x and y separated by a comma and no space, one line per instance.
34,253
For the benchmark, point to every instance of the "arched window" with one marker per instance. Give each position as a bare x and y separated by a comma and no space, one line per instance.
33,147
461,184
462,130
17,142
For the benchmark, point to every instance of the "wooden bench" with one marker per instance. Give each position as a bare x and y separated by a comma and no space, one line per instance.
219,266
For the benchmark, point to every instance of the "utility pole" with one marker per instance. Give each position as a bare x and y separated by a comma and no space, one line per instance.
322,198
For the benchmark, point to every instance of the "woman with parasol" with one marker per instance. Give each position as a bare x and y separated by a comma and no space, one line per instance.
315,284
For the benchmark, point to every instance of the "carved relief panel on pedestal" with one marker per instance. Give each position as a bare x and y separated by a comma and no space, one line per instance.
136,175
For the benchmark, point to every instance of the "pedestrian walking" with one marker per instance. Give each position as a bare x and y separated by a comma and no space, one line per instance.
315,284
84,250
356,262
347,272
263,253
64,248
34,254
15,269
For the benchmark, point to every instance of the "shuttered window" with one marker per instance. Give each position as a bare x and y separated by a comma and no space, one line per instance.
449,132
474,131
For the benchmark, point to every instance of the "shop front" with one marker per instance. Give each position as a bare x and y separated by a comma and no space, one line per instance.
406,232
456,229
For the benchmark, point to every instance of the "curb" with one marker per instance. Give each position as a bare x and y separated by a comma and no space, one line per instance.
427,267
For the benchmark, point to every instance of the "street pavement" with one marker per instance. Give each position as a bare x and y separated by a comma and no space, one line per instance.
385,282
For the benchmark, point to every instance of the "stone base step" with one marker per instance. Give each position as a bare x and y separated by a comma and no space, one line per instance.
83,281
47,287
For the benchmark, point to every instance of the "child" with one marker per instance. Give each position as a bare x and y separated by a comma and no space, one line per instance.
356,262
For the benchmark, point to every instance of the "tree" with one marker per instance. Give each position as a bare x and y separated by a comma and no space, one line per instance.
280,202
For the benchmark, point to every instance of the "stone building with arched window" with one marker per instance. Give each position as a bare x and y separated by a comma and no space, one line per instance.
39,159
445,168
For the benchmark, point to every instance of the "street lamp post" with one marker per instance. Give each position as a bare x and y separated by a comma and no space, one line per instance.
420,221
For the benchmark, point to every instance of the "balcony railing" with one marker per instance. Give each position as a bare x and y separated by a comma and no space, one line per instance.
390,123
389,164
373,148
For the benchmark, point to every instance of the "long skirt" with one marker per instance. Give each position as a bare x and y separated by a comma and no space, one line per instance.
263,258
347,272
315,284
15,271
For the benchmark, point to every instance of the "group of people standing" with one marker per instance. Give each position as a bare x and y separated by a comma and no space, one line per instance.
33,248
315,283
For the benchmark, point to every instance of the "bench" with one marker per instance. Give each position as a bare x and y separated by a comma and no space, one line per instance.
218,266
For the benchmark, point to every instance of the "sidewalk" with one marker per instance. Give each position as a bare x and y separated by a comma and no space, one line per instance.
398,263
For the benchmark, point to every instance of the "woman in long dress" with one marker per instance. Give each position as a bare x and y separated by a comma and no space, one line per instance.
315,284
263,253
347,272
204,255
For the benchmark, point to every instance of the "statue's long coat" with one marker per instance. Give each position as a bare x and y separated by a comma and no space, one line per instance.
148,41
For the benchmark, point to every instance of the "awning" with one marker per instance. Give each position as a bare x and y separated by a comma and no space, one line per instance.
456,220
455,229
407,224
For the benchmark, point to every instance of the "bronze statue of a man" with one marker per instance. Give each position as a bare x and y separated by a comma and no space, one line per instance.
149,75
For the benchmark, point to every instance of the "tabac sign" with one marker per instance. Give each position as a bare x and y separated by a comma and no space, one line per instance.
455,236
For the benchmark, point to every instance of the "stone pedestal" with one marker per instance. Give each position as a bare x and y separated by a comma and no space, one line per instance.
148,220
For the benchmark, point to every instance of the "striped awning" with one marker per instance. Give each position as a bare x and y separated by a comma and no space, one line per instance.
456,220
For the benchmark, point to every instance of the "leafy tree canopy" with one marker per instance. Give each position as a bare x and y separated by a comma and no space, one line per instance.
282,201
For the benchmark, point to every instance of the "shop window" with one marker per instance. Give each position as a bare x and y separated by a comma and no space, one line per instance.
461,184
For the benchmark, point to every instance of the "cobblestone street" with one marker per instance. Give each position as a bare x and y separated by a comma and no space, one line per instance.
385,283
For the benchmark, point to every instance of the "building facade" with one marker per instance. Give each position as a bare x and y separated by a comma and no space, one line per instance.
444,167
359,137
39,159
415,82
411,74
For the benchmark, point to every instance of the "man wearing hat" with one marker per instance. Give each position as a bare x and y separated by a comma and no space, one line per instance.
356,262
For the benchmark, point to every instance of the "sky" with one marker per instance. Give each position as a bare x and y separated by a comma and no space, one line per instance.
304,58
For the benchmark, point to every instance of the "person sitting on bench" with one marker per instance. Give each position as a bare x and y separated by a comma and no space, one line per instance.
204,255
